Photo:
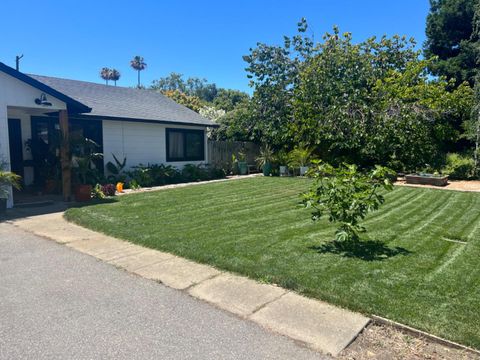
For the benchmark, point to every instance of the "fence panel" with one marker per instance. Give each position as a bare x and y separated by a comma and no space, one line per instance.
220,152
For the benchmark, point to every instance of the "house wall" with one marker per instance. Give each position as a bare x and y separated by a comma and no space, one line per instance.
140,143
17,94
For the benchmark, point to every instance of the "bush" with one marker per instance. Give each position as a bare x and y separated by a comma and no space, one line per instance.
160,174
97,192
108,189
459,167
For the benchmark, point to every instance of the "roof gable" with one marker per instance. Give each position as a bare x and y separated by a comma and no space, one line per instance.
73,105
125,103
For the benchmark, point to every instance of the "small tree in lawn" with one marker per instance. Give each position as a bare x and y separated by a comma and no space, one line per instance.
346,195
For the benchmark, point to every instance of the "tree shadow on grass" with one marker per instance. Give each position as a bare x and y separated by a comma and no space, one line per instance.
368,250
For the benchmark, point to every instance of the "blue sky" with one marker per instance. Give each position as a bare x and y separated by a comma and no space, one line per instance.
74,39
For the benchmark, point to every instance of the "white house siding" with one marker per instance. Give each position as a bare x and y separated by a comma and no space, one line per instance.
15,94
140,142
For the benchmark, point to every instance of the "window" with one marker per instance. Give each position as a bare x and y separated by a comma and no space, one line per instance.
185,145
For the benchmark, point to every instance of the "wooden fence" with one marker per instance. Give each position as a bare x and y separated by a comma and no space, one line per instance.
220,152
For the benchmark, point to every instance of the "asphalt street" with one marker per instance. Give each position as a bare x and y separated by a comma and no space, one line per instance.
56,303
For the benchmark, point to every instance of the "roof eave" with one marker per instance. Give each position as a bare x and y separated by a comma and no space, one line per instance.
152,121
73,106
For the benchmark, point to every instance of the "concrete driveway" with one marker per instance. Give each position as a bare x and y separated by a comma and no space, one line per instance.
57,303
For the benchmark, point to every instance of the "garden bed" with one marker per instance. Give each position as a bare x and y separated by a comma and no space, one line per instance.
426,179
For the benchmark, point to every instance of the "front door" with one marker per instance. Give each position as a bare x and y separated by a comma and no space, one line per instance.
16,146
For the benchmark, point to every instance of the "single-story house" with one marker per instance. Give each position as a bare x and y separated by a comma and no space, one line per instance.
140,125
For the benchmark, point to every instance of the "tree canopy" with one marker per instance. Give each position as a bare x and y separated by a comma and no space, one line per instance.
451,37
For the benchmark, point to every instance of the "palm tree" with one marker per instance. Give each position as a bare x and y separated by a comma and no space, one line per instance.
114,75
138,64
105,74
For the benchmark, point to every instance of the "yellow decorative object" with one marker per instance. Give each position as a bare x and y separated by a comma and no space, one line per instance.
120,187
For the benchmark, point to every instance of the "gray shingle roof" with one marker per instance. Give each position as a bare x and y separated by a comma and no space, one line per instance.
124,103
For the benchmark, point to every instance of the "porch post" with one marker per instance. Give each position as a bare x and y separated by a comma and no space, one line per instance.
65,156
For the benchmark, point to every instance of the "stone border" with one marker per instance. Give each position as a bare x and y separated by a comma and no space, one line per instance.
422,334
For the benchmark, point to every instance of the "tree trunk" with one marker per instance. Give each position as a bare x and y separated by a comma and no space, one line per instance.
138,78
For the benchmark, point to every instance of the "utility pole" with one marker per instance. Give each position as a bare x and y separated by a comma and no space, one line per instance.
17,62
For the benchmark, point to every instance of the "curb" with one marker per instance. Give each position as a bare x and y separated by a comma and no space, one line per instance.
422,334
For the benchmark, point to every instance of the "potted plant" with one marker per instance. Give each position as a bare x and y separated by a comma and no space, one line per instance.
282,159
242,163
235,169
83,163
7,179
265,160
299,158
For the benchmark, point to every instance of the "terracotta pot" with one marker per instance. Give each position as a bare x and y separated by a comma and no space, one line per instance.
83,193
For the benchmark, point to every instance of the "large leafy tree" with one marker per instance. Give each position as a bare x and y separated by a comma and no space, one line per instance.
451,38
191,102
274,71
374,103
192,86
228,99
238,124
174,81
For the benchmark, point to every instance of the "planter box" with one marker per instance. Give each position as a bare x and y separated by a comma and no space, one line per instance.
426,180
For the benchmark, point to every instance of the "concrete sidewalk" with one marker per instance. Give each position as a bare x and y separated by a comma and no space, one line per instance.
320,326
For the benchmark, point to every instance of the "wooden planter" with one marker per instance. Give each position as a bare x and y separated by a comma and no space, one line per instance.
426,180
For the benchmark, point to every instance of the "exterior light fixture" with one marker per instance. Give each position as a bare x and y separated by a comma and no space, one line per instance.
42,100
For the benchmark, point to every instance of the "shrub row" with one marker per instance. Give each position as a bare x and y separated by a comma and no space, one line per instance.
159,174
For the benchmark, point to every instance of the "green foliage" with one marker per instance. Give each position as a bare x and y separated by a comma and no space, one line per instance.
237,125
265,157
97,192
134,185
228,99
84,156
373,103
7,179
459,167
451,37
273,72
299,157
346,195
116,170
192,102
193,86
160,174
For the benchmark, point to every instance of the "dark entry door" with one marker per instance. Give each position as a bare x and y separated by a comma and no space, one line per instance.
16,146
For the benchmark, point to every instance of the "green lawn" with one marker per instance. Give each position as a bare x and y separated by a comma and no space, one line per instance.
410,266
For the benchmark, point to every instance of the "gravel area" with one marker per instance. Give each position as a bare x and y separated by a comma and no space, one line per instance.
385,342
459,185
